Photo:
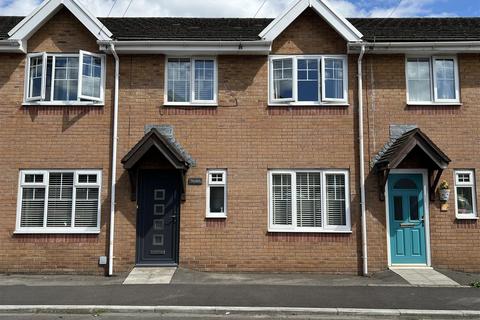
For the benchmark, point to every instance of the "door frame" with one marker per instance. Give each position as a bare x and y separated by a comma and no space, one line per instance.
426,197
176,241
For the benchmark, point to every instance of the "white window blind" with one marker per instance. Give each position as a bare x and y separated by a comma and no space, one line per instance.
60,197
282,199
309,201
65,78
336,200
59,202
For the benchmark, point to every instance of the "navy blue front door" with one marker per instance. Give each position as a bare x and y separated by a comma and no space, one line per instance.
158,217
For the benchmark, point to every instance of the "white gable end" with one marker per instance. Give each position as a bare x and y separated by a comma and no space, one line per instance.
30,24
333,18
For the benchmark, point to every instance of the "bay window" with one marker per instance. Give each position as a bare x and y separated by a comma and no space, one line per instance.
59,201
191,81
309,201
432,80
307,80
65,78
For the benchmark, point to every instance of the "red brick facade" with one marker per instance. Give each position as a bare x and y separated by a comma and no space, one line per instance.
244,135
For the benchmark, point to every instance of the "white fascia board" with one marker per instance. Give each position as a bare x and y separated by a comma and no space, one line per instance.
189,47
30,24
11,46
332,17
417,47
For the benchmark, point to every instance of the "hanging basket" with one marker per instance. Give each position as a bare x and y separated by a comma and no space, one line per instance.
444,194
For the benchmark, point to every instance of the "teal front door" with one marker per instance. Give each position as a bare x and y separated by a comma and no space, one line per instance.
407,219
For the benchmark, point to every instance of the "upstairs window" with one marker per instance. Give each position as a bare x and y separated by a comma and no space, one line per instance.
191,81
309,201
65,78
432,80
59,201
305,80
465,194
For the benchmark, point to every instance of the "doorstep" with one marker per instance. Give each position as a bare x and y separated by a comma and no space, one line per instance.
150,275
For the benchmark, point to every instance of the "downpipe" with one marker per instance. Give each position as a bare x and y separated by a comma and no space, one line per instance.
362,163
114,162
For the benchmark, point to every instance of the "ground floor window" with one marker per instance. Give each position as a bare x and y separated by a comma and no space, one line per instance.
59,201
309,201
217,194
465,194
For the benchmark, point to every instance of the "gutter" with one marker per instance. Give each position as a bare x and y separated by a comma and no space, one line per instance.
206,47
362,162
114,161
10,45
402,47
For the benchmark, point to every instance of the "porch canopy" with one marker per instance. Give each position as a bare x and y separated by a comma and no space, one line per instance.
411,149
156,151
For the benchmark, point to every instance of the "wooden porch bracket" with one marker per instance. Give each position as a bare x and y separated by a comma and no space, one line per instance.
433,182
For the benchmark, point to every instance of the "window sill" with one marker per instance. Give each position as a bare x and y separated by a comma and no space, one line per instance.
466,218
296,104
216,216
62,103
309,231
190,105
435,104
58,231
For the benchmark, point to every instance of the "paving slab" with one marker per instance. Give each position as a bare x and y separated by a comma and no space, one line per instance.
150,275
385,278
425,277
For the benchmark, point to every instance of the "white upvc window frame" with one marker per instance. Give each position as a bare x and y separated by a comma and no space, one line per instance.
325,228
272,80
472,185
86,100
322,100
28,88
193,101
80,75
433,81
211,183
345,78
57,230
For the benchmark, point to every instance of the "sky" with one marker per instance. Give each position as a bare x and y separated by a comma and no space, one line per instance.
248,8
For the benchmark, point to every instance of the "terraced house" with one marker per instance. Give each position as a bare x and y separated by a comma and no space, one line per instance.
309,142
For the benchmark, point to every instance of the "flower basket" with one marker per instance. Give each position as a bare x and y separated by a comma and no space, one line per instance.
444,194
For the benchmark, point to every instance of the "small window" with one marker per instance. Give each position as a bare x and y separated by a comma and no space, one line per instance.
465,194
65,78
191,81
217,194
432,80
309,201
59,202
308,80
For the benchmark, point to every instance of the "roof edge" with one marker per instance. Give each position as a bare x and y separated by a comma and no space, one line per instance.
31,23
291,13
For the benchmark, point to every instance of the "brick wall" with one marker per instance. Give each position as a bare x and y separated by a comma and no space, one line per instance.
56,137
244,135
453,128
248,138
